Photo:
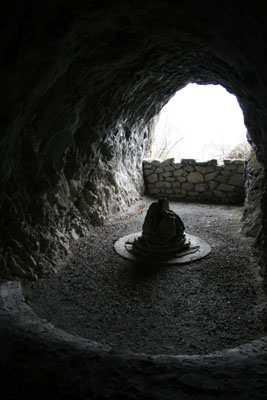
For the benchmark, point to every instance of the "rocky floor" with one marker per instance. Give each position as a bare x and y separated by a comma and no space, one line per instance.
197,308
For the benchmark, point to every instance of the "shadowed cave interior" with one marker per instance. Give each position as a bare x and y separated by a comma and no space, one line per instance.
80,85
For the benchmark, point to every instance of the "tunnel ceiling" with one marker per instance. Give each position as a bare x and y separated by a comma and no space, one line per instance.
80,82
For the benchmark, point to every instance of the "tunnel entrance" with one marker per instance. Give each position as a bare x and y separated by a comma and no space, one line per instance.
198,308
199,148
200,122
80,85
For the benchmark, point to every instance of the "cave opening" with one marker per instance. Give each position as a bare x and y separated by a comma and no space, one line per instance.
100,297
81,84
200,122
127,307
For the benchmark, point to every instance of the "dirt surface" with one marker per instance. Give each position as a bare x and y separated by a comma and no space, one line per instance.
197,308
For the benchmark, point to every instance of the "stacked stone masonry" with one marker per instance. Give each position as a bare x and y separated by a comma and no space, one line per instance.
195,181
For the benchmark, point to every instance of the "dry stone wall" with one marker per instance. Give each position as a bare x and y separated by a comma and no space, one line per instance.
195,181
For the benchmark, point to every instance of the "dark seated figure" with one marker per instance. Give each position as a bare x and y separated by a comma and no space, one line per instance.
162,224
163,233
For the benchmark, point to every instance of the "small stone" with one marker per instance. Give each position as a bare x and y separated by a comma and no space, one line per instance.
237,180
75,186
163,185
176,184
177,165
204,170
155,191
179,172
221,178
152,178
195,177
167,174
147,165
231,167
187,186
211,176
200,187
189,168
188,161
89,196
192,162
182,179
74,234
159,170
169,168
156,163
212,162
212,185
226,172
167,162
170,179
148,172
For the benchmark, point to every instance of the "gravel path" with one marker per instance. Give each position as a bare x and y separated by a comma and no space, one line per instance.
198,308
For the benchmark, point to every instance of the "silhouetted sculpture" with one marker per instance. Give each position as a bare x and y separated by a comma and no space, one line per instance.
163,234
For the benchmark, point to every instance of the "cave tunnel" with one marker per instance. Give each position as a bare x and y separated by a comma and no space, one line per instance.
81,83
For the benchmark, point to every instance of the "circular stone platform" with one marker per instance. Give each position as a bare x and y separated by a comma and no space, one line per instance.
187,256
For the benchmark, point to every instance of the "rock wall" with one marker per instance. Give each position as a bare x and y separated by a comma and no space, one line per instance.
195,181
80,83
43,214
254,184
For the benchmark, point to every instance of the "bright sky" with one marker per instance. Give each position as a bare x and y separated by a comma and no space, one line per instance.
207,118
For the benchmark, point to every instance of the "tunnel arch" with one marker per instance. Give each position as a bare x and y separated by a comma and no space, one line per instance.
200,122
80,84
77,122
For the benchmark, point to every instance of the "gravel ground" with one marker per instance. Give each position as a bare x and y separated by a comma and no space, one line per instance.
197,308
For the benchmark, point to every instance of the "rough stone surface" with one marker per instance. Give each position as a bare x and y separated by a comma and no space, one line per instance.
81,84
205,181
50,363
252,215
195,177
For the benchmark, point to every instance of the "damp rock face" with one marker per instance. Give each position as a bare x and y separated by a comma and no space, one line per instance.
252,215
80,85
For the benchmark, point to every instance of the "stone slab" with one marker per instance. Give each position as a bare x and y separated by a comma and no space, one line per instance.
203,251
